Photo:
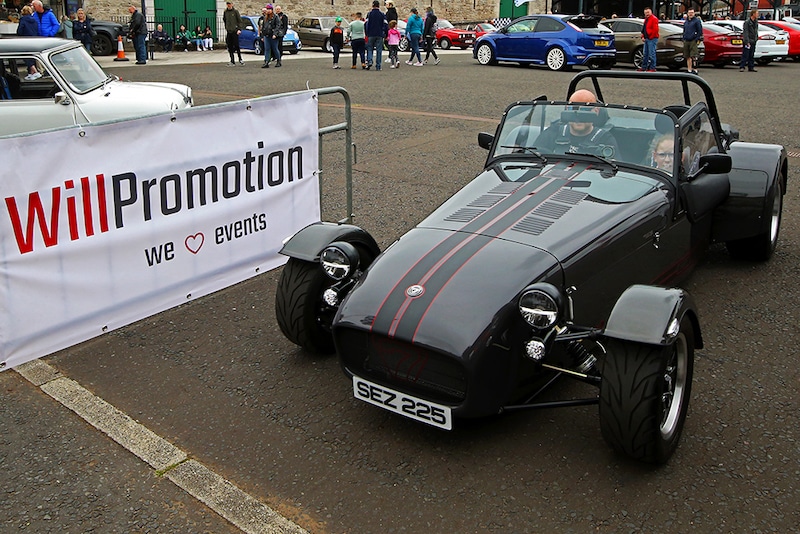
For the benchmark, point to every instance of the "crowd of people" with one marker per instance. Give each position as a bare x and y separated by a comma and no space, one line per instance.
37,19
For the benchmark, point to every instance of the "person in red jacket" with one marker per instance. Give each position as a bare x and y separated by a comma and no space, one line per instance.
650,38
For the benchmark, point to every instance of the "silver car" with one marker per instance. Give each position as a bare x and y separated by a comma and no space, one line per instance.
316,31
49,83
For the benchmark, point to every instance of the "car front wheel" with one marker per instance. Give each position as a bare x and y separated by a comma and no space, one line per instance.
444,43
644,395
302,315
556,59
403,46
326,46
638,57
102,45
485,55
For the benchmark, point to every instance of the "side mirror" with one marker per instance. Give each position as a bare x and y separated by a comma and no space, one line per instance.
485,140
713,164
62,98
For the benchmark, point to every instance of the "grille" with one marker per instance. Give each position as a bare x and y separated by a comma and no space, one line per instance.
532,225
464,215
403,366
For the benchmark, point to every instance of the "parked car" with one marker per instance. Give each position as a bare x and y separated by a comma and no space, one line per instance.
249,39
722,46
105,42
772,45
630,47
316,31
794,35
558,41
482,28
542,266
448,35
72,88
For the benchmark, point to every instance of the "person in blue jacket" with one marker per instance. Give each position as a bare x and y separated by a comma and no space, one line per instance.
29,26
48,23
376,29
414,34
692,35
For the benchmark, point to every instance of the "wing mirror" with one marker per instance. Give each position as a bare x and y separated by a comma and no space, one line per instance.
62,98
713,164
485,140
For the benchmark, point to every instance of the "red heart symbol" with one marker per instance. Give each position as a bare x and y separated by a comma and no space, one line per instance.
194,243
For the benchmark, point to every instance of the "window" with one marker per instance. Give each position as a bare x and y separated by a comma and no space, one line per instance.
698,140
546,24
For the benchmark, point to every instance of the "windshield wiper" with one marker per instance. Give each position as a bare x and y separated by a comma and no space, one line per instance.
608,162
526,150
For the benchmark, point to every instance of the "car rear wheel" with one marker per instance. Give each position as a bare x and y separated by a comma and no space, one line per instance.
302,315
644,395
638,57
102,45
444,43
326,45
760,247
485,55
258,48
556,59
403,46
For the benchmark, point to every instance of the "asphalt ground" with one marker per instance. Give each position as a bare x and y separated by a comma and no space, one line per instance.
216,380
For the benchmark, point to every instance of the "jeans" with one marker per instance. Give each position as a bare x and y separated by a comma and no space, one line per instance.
377,44
139,46
358,47
413,40
232,43
649,59
748,57
429,42
271,49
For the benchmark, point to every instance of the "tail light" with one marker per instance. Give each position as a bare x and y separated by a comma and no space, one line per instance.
767,37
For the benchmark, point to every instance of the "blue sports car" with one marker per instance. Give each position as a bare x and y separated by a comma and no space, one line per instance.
249,40
558,41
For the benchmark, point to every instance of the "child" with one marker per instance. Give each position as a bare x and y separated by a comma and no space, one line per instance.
394,44
337,41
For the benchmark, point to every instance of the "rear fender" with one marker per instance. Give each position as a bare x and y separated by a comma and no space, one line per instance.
644,314
308,243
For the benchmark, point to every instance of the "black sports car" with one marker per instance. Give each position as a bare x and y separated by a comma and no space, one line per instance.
559,259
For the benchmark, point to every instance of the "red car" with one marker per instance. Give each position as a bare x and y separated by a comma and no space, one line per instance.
794,35
723,46
482,28
448,35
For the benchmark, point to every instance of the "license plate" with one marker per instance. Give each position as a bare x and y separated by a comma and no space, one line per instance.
736,41
467,41
403,404
601,43
779,41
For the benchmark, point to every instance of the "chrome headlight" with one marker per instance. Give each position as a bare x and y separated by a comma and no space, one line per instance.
339,260
541,305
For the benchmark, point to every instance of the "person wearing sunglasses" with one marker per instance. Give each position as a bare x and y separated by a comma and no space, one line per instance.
581,129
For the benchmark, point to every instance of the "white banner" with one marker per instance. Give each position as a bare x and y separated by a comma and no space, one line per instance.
106,226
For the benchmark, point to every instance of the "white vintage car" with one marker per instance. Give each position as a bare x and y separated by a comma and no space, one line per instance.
49,83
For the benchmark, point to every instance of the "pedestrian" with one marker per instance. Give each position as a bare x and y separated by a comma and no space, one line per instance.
393,40
414,34
336,40
285,24
65,29
272,32
358,42
198,38
48,23
233,23
429,32
391,12
184,37
650,38
82,29
28,26
161,38
692,35
208,39
137,31
749,41
375,28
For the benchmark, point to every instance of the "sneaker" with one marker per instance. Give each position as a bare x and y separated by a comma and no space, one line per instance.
231,64
364,66
353,67
436,61
241,63
265,66
425,62
741,69
639,70
748,70
652,70
392,67
409,62
418,64
695,72
30,76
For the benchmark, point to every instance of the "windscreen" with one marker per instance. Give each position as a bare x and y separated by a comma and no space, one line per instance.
79,69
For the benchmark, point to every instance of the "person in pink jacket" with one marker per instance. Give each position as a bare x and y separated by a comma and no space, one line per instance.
393,40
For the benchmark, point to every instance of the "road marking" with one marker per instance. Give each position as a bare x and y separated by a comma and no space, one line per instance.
219,494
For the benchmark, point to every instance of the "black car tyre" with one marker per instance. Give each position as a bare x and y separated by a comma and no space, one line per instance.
638,57
720,65
444,43
102,45
485,55
644,395
403,46
556,59
302,316
760,247
258,48
326,46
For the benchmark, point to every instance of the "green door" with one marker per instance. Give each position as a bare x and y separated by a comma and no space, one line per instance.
191,13
509,11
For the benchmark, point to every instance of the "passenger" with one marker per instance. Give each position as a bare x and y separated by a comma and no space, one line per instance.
663,154
571,136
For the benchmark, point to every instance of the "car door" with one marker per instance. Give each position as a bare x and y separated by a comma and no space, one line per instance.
39,104
627,38
517,43
547,30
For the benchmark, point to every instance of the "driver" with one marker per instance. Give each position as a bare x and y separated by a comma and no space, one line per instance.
578,131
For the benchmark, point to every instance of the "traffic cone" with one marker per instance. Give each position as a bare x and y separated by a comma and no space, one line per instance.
120,50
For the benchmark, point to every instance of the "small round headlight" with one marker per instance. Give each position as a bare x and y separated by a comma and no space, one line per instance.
339,260
540,306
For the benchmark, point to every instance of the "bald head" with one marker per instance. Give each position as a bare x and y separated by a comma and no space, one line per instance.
583,95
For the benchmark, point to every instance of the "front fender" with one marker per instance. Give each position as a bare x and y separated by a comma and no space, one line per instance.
310,241
644,313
